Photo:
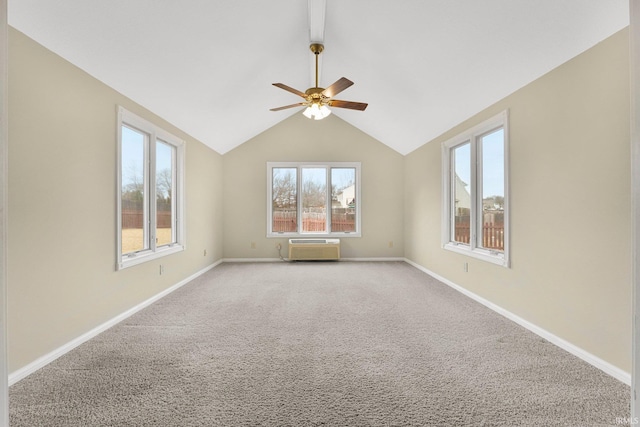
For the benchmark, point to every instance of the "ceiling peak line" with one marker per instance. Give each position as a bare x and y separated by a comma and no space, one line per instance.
317,13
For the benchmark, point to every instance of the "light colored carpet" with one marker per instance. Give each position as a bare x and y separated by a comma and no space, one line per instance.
317,344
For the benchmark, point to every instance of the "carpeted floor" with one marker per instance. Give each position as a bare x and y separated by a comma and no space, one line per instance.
317,344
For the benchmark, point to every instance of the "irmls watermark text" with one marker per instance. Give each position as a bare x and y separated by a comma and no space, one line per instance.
627,421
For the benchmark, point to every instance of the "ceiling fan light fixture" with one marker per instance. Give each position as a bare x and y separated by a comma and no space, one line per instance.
324,111
307,112
318,99
316,111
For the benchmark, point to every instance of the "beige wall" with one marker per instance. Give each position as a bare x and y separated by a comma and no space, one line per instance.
300,139
62,193
570,205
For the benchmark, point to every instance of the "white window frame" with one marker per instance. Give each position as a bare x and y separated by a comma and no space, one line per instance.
129,119
472,136
299,166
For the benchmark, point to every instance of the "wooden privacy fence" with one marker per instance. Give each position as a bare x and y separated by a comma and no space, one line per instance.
492,234
284,223
462,232
133,214
343,222
135,219
132,219
287,221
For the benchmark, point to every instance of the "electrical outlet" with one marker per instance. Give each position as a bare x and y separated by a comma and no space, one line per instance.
253,245
205,253
278,246
390,243
161,269
466,267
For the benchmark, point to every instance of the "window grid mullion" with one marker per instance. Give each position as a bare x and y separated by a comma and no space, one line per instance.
299,199
476,197
145,195
152,193
452,194
174,200
328,200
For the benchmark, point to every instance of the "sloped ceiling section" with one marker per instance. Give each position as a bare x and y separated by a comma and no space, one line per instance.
422,65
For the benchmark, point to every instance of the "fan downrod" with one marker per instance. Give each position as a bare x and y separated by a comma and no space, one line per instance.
316,48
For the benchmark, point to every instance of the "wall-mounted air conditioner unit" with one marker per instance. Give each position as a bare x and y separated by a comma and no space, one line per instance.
314,249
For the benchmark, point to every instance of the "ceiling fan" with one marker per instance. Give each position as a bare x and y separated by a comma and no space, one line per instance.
317,99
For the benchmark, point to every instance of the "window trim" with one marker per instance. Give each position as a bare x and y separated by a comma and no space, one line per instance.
299,166
472,135
155,133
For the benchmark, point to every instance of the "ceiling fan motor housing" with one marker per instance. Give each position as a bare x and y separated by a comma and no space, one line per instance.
315,96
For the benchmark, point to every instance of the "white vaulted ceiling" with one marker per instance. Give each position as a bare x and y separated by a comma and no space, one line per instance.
422,65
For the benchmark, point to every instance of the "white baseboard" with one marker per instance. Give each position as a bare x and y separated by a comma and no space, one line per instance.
603,365
381,259
23,372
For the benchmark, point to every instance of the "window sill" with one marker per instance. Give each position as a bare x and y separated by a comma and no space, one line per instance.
293,235
142,257
497,258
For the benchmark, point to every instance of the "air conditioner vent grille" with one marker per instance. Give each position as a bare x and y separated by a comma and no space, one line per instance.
314,249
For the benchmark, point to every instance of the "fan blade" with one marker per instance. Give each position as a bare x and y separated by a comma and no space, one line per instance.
337,87
299,104
290,89
348,104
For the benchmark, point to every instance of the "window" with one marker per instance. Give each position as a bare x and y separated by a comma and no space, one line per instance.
150,191
313,199
475,208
